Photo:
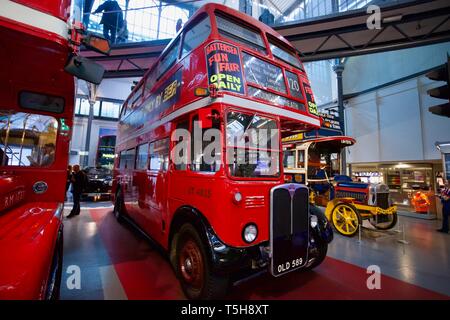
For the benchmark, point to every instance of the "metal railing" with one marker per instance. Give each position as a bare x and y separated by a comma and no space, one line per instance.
147,20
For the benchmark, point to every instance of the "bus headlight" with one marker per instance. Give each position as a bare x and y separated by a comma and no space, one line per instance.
237,197
250,233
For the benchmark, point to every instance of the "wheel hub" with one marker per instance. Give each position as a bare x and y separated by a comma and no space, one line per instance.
191,264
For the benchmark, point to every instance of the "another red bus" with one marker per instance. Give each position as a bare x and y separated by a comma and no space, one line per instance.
105,151
229,218
36,114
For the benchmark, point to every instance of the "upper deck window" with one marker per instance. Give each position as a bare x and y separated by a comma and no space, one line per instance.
284,54
168,59
196,35
238,33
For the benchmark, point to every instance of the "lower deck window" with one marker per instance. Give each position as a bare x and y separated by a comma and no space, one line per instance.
27,140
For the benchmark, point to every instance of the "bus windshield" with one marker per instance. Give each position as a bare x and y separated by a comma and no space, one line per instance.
321,161
27,139
252,145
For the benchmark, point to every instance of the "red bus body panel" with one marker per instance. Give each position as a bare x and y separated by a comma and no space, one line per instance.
33,59
27,237
56,8
153,198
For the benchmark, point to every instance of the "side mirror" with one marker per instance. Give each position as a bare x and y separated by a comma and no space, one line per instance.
85,69
96,43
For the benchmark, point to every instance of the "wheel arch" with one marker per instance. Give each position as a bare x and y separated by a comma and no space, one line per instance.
189,214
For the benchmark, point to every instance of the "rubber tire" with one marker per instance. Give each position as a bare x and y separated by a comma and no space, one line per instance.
393,223
322,249
357,214
214,287
56,269
118,207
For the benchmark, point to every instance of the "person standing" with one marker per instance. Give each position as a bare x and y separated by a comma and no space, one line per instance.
179,25
267,17
78,182
445,199
112,19
68,179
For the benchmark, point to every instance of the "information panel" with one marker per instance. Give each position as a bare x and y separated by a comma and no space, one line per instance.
263,73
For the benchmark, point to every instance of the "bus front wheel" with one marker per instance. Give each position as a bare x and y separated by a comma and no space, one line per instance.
193,268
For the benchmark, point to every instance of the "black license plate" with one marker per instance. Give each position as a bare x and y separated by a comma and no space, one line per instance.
289,228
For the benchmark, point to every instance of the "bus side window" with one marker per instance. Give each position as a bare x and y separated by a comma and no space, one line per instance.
142,155
131,163
168,59
121,160
126,160
180,150
165,153
301,159
196,35
203,151
159,155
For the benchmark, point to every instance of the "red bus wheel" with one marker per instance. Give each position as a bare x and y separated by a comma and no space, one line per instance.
191,264
193,267
54,279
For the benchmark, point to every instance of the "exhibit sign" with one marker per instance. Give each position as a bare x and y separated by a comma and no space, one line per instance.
330,126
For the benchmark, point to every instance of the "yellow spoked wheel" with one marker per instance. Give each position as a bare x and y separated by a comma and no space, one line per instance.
346,219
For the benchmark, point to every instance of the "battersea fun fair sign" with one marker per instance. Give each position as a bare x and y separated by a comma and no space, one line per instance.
224,67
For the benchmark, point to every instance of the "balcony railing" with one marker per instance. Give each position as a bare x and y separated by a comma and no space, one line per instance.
147,20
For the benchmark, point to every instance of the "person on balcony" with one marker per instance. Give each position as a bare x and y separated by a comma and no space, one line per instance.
267,17
112,19
179,25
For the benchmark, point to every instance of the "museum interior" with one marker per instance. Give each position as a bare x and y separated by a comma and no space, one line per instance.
229,149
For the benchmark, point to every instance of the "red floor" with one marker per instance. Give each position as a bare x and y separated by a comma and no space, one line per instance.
145,274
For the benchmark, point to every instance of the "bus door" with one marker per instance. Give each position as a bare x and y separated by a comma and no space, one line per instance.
157,185
179,163
126,167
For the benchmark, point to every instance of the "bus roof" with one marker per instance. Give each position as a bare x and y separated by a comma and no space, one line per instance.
210,9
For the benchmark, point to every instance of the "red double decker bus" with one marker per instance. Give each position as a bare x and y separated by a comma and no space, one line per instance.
191,170
36,114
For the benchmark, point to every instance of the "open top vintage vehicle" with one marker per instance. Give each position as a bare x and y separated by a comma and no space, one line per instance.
313,158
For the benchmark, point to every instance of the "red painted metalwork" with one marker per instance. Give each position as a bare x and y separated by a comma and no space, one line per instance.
33,60
154,197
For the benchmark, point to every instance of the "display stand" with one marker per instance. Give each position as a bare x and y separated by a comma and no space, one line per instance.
403,240
374,234
359,233
398,230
